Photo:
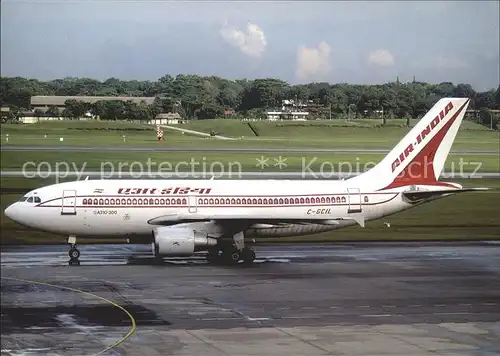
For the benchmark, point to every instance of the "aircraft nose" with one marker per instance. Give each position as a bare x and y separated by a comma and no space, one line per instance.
12,212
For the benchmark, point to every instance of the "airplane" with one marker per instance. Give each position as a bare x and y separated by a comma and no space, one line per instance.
183,217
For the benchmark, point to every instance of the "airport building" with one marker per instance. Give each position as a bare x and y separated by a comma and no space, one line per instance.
168,118
290,110
42,102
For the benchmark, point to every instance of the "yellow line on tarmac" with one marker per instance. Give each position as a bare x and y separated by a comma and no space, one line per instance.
130,316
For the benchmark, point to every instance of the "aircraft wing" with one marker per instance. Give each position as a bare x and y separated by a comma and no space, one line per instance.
423,195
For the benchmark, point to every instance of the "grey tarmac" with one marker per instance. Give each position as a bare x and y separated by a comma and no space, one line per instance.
302,299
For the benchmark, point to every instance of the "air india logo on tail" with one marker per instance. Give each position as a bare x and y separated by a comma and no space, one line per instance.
421,136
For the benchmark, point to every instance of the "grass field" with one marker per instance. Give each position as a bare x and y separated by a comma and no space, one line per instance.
266,128
319,134
217,162
315,134
466,216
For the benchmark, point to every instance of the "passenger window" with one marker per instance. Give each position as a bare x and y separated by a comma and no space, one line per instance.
30,200
37,200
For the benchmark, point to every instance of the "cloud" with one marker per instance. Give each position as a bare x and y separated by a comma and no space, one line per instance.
381,57
449,62
313,62
253,43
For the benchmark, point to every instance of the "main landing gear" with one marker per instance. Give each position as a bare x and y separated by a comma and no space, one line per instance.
229,255
74,253
231,252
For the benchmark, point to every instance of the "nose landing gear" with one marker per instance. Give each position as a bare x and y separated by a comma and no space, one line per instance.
74,253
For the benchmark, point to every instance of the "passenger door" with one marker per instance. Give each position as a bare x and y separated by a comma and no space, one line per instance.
68,204
354,200
192,203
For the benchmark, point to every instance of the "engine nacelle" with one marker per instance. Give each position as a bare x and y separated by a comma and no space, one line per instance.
179,241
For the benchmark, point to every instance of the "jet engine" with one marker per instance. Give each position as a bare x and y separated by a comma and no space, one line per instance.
179,241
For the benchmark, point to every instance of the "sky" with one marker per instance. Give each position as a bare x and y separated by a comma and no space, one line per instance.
353,42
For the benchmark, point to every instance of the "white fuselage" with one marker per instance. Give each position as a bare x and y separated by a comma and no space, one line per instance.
121,208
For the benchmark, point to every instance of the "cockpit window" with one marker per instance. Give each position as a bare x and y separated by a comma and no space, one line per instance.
31,199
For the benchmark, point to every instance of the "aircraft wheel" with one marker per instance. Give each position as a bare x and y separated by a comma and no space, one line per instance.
235,257
74,262
248,256
230,256
74,253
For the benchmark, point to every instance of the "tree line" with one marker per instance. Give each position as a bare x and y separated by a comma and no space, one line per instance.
106,109
202,97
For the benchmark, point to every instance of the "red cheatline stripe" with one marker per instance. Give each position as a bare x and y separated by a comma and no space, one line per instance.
215,197
299,205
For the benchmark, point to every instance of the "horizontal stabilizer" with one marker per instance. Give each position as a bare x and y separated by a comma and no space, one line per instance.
422,195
